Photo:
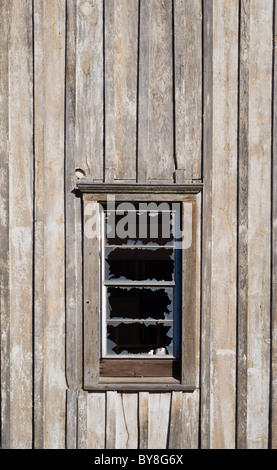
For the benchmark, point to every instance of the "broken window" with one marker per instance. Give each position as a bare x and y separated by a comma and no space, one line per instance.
141,275
140,281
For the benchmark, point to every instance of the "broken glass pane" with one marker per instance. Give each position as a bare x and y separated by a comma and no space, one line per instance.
139,338
136,303
139,264
139,228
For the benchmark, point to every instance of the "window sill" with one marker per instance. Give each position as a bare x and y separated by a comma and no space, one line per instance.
148,384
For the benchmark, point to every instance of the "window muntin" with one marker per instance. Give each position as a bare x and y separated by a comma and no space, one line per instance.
140,283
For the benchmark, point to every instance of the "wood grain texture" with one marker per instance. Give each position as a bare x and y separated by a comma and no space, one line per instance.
96,420
127,421
243,163
273,422
176,420
206,236
39,228
190,293
121,44
111,412
259,213
73,214
190,421
50,386
138,368
89,88
224,226
4,226
188,86
91,294
71,419
159,407
20,222
82,417
155,131
143,419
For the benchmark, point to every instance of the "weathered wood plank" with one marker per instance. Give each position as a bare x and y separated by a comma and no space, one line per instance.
89,88
190,421
159,407
71,419
49,332
143,417
176,420
243,159
207,202
259,217
191,292
224,226
21,222
188,86
121,368
4,226
39,281
91,294
155,131
82,416
274,250
96,420
127,421
111,409
126,384
121,43
73,216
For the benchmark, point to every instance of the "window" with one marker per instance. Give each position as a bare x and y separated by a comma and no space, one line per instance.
139,288
141,281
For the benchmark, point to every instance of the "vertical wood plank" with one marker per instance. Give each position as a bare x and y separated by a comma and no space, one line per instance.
71,419
190,294
111,410
143,415
207,202
243,156
155,132
121,43
184,421
73,216
190,421
82,415
89,88
224,226
39,281
274,249
259,187
127,421
4,227
50,386
175,428
159,406
96,420
21,222
91,293
188,86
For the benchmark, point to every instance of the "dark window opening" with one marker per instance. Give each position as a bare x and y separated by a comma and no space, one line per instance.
140,338
140,303
141,268
140,264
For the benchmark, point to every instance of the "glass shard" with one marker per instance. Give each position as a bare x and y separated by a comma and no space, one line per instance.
139,338
139,264
139,228
139,303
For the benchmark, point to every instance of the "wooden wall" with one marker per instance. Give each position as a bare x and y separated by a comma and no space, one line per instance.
138,91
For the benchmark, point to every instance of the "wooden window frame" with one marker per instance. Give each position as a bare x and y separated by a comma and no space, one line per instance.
93,194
